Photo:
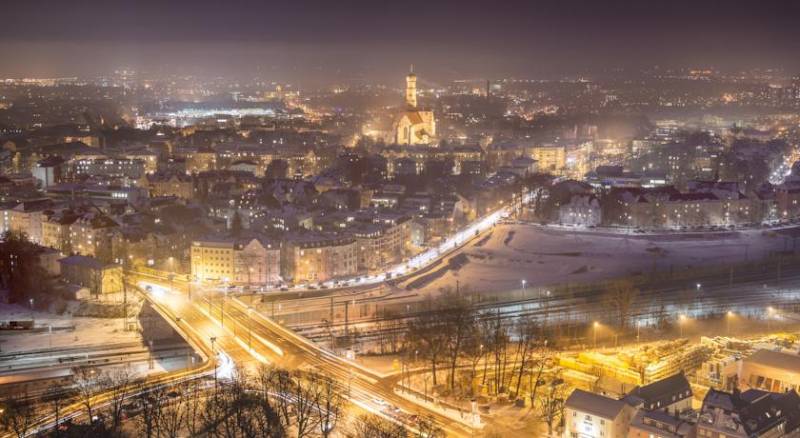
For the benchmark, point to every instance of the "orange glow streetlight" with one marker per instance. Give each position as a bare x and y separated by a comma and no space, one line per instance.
681,321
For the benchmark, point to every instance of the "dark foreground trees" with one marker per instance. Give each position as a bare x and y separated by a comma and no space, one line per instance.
273,403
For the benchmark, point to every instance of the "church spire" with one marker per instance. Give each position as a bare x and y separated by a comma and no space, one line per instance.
411,89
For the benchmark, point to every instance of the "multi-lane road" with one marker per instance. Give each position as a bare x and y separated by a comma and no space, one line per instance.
248,338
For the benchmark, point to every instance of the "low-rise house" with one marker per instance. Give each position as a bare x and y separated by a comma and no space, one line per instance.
100,278
672,395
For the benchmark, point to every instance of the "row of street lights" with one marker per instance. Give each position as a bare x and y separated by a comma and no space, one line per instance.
682,320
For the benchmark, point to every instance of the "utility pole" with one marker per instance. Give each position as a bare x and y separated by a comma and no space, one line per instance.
346,319
124,298
730,276
214,339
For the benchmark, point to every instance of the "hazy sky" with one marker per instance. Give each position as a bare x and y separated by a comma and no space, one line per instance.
343,39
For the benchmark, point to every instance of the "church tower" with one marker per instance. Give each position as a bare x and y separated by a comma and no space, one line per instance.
414,125
411,89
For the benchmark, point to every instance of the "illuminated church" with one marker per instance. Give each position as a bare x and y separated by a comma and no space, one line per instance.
413,125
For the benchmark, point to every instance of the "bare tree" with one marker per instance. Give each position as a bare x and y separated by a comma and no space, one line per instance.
17,415
193,407
88,381
527,333
551,407
118,382
172,420
619,297
329,403
539,362
305,395
268,414
55,399
498,336
427,333
459,318
427,428
373,426
151,404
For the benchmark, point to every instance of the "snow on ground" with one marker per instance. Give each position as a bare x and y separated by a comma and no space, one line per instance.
545,256
87,332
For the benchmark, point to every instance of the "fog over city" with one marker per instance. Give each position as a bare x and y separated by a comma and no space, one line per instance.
315,40
397,219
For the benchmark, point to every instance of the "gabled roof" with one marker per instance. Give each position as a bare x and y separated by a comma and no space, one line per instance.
594,404
663,391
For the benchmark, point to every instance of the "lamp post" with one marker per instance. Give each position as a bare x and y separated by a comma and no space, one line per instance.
728,317
638,330
770,315
213,340
681,320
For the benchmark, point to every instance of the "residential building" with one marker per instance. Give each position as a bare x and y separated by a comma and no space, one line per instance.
100,278
247,261
752,413
659,424
672,395
318,257
588,415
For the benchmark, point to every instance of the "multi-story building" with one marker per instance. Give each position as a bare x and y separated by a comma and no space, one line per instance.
588,415
550,159
581,210
56,230
316,257
26,217
174,184
252,262
92,234
752,413
659,424
380,245
110,167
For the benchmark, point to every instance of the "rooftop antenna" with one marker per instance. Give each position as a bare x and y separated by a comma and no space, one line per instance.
411,68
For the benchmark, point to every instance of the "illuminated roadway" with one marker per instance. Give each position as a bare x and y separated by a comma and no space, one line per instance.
233,334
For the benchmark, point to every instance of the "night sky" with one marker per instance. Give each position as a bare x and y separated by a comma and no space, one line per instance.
313,40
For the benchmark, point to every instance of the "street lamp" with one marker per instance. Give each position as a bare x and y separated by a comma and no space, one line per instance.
699,286
770,314
524,282
728,317
213,340
681,321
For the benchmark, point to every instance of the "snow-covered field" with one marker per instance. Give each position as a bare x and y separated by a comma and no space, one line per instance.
545,256
87,332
